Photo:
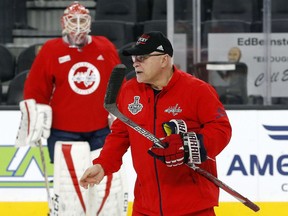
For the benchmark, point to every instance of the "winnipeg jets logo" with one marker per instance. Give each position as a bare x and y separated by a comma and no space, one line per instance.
84,78
174,110
135,107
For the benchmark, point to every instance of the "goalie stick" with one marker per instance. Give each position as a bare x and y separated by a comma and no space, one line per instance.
112,90
50,203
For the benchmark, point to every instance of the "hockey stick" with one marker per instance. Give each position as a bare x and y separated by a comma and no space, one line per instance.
50,204
114,85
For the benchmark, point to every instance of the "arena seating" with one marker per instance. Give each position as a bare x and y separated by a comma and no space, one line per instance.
30,23
119,32
15,89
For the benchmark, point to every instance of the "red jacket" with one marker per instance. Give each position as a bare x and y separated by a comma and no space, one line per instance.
73,82
177,190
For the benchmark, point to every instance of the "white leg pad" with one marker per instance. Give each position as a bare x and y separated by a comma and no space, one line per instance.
70,161
116,203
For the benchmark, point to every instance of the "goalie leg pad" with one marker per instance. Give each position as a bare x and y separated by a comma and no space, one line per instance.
110,197
70,161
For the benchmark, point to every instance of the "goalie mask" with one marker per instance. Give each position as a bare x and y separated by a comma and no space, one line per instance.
76,23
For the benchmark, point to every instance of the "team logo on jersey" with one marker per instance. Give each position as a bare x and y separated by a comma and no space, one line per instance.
84,78
174,110
136,106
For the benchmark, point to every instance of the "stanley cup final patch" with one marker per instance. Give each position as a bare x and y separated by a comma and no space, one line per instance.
136,106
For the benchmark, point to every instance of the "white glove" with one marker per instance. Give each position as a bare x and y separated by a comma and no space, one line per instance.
43,123
35,123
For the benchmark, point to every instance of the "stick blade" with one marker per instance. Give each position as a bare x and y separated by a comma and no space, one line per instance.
115,82
252,206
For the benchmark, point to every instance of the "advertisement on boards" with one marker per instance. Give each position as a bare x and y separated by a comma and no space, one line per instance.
255,163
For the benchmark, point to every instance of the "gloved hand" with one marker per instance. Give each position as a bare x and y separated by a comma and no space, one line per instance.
180,146
172,154
194,149
35,123
174,126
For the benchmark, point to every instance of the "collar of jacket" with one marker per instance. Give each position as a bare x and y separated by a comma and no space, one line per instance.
176,75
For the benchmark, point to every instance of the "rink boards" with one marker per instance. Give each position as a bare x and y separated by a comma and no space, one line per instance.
255,164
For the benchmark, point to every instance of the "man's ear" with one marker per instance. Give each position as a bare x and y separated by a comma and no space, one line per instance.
165,60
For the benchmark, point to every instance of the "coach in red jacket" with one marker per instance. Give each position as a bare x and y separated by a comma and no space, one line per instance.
187,113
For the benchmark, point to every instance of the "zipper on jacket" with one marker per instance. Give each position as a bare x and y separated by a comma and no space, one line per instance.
155,162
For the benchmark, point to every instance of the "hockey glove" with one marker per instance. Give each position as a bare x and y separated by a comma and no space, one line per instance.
194,149
172,154
179,149
180,146
35,123
174,126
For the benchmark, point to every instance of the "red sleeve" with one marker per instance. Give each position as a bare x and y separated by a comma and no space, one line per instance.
216,128
39,83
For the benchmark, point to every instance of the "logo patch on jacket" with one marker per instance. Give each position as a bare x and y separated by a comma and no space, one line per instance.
136,106
174,110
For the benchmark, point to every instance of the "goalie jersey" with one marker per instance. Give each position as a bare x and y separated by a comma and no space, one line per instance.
73,82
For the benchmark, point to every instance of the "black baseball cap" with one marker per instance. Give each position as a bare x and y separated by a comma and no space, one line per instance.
150,42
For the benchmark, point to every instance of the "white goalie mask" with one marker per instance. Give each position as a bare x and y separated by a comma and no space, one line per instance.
76,23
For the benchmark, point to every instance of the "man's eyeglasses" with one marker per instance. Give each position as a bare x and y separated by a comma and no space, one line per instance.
141,58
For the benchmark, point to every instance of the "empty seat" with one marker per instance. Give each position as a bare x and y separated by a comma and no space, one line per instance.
118,32
6,21
26,57
229,80
16,87
223,26
246,10
277,26
155,25
181,26
124,10
182,10
7,64
126,60
20,15
257,26
144,10
159,10
7,70
279,9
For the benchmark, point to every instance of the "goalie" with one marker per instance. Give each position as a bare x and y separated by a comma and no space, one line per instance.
65,90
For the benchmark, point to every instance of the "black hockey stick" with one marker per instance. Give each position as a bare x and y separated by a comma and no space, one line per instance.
110,105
